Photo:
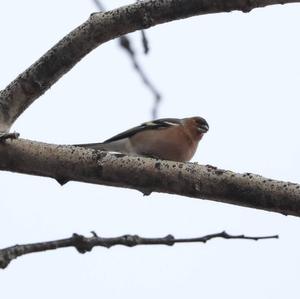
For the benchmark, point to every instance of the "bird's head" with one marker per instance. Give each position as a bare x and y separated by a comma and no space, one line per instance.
197,126
201,124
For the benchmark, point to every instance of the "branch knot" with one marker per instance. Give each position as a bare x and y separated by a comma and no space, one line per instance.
82,243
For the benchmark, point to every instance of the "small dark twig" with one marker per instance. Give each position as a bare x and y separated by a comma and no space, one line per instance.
145,42
125,43
5,136
99,5
84,244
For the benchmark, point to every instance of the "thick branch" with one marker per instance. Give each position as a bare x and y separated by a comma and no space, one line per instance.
147,175
83,244
99,28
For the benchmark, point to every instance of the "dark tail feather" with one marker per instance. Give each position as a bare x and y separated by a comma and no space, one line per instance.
120,146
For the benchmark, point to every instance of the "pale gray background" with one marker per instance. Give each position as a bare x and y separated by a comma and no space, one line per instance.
239,71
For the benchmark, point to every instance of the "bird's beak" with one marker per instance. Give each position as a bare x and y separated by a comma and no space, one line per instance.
203,128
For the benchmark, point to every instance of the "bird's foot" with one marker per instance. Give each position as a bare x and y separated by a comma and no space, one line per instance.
4,136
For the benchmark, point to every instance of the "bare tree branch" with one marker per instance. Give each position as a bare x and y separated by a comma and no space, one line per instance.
84,244
65,163
125,43
100,28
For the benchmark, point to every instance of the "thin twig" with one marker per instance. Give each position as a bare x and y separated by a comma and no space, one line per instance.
125,43
145,42
86,244
99,5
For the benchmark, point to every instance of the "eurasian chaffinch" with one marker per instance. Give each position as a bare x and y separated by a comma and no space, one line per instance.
167,138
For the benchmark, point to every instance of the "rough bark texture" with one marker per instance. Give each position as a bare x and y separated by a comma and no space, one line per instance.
147,175
99,28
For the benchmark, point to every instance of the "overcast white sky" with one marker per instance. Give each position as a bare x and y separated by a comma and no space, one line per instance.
239,71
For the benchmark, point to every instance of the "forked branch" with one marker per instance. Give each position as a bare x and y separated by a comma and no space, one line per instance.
98,29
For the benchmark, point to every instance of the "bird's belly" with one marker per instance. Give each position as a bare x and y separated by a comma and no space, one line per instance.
167,150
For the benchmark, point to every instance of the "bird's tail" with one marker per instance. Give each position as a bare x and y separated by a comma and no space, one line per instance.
119,146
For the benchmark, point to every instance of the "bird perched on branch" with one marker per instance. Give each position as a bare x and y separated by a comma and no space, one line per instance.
167,138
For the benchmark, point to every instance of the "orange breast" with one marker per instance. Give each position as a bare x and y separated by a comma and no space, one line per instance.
169,144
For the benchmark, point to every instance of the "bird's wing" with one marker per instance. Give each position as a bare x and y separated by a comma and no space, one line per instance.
151,125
